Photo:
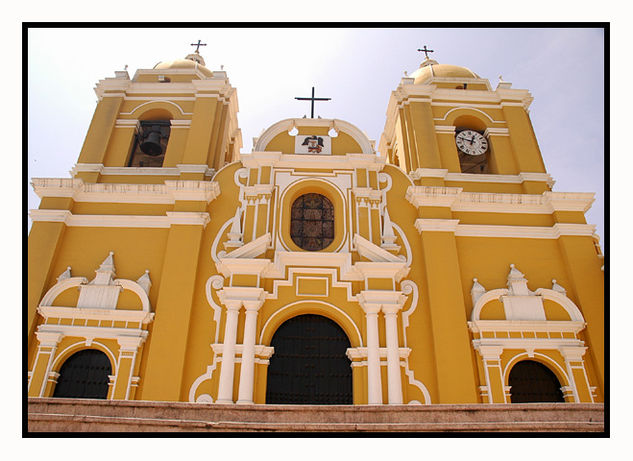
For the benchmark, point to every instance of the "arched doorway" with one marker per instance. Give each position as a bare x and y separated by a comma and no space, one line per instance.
532,381
84,375
309,365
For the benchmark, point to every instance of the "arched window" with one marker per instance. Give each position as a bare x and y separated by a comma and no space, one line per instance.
473,150
531,381
150,144
309,365
312,222
84,374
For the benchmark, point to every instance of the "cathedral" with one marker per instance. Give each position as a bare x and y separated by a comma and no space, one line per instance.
434,266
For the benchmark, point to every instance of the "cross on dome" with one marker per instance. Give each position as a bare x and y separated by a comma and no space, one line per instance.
426,51
198,45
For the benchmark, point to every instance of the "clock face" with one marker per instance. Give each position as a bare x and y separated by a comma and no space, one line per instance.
470,142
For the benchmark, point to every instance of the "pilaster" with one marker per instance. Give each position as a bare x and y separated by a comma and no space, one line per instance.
587,282
128,351
100,130
43,243
200,136
454,363
491,356
46,350
168,342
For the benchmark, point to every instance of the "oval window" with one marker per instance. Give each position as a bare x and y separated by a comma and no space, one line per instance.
312,222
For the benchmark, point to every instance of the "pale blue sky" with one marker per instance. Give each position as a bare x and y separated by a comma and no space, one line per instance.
357,68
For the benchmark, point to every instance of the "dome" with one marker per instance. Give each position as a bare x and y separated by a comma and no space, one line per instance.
192,61
430,69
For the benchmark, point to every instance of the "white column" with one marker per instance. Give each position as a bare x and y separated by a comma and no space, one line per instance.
394,380
247,371
225,389
374,384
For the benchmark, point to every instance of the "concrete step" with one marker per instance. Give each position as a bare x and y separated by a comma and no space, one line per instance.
85,415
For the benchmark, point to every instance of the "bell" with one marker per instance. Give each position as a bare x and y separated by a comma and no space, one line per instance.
151,144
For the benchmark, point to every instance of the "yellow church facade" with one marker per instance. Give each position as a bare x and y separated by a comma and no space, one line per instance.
437,266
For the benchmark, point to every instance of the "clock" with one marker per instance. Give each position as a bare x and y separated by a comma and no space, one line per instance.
471,142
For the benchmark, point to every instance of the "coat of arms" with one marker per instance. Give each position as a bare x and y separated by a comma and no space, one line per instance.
314,143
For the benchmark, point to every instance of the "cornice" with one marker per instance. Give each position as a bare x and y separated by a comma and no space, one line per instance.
133,221
90,333
319,162
458,200
486,178
359,353
166,193
436,225
486,230
541,326
73,313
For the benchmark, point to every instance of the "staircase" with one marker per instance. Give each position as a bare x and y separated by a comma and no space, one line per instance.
85,415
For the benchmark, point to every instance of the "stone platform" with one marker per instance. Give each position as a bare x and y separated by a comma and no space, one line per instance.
84,415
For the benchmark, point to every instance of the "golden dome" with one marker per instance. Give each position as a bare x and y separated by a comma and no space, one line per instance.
429,69
192,61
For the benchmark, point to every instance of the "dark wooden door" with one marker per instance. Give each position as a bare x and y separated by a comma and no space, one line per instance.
531,381
309,365
84,375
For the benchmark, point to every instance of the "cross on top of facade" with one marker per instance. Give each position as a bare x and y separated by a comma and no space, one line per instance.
198,45
426,51
312,99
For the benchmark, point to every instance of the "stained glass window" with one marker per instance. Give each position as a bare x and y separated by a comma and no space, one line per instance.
312,222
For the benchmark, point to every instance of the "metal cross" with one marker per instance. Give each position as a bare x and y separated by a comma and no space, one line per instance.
312,99
198,45
426,51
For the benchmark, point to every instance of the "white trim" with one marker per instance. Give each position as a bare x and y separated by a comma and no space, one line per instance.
166,193
76,313
536,232
90,333
358,135
359,337
436,225
487,178
490,230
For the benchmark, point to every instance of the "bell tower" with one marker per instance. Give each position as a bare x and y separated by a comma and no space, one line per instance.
445,124
178,116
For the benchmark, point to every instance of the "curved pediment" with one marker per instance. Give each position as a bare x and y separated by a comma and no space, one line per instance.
314,136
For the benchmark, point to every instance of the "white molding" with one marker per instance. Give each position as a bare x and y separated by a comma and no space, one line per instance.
193,168
195,218
76,313
278,161
532,326
358,339
436,225
358,135
91,333
536,232
50,215
138,171
166,193
87,167
360,353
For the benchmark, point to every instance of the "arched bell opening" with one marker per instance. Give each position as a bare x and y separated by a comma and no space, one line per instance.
531,381
309,365
85,374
